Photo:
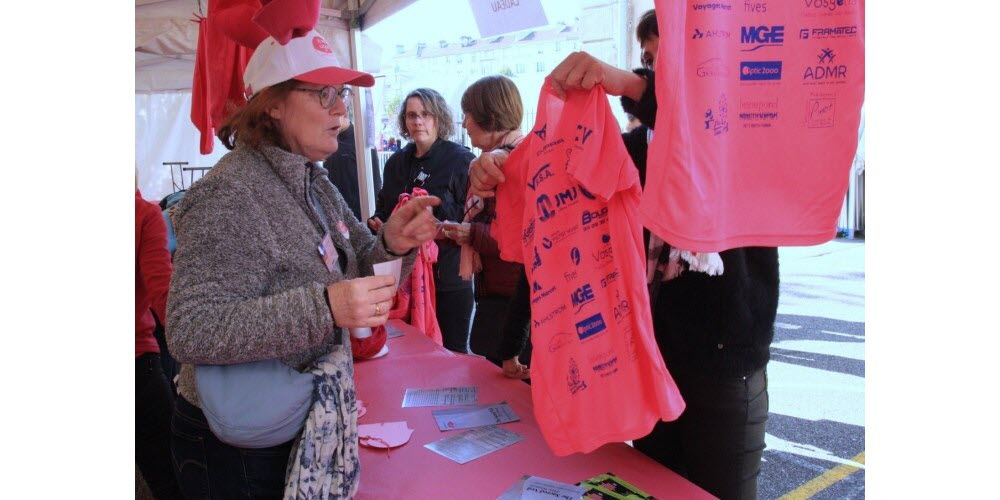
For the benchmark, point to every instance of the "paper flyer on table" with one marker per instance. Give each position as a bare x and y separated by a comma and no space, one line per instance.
392,332
443,396
474,443
539,488
474,416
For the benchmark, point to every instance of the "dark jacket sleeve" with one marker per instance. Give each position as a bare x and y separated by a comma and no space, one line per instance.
645,108
392,186
458,166
482,242
517,325
635,144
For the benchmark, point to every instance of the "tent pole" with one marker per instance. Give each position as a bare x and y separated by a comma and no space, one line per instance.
366,186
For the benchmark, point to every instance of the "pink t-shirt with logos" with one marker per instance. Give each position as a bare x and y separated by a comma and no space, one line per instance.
758,108
568,211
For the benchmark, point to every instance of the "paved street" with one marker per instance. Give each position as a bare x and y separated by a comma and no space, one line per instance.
816,430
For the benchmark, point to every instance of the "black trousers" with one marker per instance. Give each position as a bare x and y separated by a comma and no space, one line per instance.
454,315
718,441
153,406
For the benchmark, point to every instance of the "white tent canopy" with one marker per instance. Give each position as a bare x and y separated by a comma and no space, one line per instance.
166,41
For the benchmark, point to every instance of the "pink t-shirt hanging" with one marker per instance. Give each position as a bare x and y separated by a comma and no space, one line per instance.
757,121
567,210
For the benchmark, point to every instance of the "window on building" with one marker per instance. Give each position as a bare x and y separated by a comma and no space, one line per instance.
539,67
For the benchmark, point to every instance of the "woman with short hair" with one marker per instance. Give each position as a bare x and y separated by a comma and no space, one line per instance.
434,163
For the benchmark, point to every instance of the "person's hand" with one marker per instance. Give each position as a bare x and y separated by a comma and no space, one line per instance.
411,225
581,70
486,172
361,302
512,368
458,231
375,224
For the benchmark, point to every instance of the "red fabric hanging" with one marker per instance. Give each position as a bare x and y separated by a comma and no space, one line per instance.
415,301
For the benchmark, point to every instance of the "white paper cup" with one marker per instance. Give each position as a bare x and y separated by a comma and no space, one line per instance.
360,333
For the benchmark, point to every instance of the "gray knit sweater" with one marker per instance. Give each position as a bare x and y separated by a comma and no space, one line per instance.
248,280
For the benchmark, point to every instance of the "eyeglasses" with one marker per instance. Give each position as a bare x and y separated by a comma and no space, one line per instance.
413,115
328,95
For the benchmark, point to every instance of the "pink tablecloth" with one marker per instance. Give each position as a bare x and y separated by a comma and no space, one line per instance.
412,471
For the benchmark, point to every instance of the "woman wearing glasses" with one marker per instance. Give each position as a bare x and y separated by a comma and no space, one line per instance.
269,266
432,162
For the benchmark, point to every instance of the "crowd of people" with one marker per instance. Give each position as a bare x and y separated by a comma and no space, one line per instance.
273,263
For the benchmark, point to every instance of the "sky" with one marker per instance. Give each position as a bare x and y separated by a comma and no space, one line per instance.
422,21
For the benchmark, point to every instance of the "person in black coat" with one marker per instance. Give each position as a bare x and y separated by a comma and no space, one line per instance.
432,162
342,168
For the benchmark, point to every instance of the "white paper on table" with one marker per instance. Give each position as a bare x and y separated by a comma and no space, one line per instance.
444,396
474,443
475,416
539,488
391,268
514,492
392,332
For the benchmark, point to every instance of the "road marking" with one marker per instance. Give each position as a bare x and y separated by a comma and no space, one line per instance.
859,337
825,480
787,326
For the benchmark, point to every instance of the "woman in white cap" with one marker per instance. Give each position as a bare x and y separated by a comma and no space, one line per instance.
269,266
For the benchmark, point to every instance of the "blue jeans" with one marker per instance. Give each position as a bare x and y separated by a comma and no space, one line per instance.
209,468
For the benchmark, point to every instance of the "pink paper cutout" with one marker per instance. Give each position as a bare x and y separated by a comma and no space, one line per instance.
384,435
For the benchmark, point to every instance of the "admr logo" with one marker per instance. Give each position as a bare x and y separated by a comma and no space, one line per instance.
761,36
541,132
543,173
544,207
574,255
583,133
590,326
582,296
760,70
825,69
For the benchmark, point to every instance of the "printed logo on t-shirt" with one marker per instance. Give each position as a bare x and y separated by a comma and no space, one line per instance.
541,132
544,172
582,296
546,317
560,340
590,326
528,233
574,255
622,308
540,292
574,383
609,278
582,134
544,208
591,220
537,262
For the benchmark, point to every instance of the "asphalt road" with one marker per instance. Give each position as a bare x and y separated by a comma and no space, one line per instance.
815,432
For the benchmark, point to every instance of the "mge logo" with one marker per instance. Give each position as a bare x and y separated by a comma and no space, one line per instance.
762,36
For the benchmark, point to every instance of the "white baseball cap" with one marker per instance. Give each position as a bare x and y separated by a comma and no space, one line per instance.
307,58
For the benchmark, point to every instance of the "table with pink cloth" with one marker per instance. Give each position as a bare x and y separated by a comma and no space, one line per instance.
413,471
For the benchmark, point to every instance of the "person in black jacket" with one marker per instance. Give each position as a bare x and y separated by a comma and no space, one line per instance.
714,332
342,168
432,162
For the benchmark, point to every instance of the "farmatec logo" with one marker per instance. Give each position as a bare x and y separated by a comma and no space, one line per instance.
758,37
834,32
760,70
